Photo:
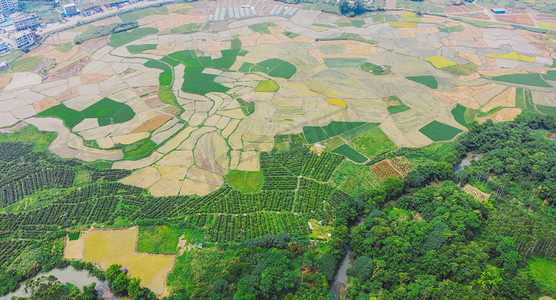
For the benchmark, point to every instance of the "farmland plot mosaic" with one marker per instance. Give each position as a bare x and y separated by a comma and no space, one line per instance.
180,104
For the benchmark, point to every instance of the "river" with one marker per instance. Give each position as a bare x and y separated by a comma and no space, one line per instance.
73,276
340,279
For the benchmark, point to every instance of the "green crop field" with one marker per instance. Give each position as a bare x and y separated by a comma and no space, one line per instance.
72,236
187,28
549,110
337,127
275,67
65,47
437,131
155,64
375,69
171,62
261,28
531,79
350,153
459,114
245,67
26,64
245,181
373,143
134,49
69,116
429,81
463,69
397,108
138,14
519,99
355,132
122,38
544,270
457,28
199,83
343,62
166,77
108,111
267,86
314,134
138,150
248,108
550,75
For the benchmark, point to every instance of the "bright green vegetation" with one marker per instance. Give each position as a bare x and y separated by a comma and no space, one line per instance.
72,236
355,132
373,143
82,177
267,86
375,69
395,105
524,99
108,111
65,47
429,81
355,179
274,67
291,35
457,28
324,25
138,150
245,181
319,231
532,79
470,114
245,67
459,114
544,271
166,95
463,69
187,28
490,112
519,98
69,116
158,239
248,108
155,64
166,77
549,110
261,28
122,38
105,30
40,140
481,23
437,131
138,14
26,64
171,62
350,153
134,49
341,62
190,59
315,134
384,18
200,83
550,75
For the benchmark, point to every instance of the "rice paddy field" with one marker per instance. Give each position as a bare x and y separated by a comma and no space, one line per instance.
188,105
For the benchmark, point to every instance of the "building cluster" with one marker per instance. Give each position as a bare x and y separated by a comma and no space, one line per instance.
18,29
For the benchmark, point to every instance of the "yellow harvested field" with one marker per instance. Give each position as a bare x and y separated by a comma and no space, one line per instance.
440,62
107,247
408,13
402,24
547,25
182,159
143,177
153,123
45,104
407,32
165,187
505,114
513,56
74,249
506,98
337,101
92,78
194,187
171,172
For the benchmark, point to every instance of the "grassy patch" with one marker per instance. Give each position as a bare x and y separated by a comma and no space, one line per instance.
550,75
122,38
165,95
457,28
26,64
549,110
267,86
158,239
429,81
463,69
72,236
354,23
275,67
166,77
395,104
513,56
261,28
69,116
134,49
187,28
324,25
519,99
372,143
197,82
375,69
30,134
543,271
291,35
355,179
343,62
247,108
155,64
470,115
108,111
437,131
235,43
440,62
481,23
82,177
138,150
459,114
245,181
531,79
355,132
65,48
314,134
138,14
320,231
350,153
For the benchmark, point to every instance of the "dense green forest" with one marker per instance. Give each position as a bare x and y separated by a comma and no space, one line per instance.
420,236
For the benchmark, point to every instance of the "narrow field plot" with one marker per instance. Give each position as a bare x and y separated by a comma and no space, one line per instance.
402,24
505,99
502,115
343,62
401,165
429,81
122,38
267,86
134,49
372,143
531,79
459,114
437,131
153,123
350,153
337,101
513,56
440,62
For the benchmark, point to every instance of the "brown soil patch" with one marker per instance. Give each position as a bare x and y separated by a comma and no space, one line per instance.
471,57
503,115
67,94
70,70
407,32
153,123
45,104
470,77
5,79
153,101
107,21
249,40
173,110
476,193
506,98
175,20
142,91
384,169
92,78
318,28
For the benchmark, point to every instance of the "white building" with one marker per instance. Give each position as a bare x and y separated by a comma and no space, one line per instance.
8,6
71,9
24,23
22,39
